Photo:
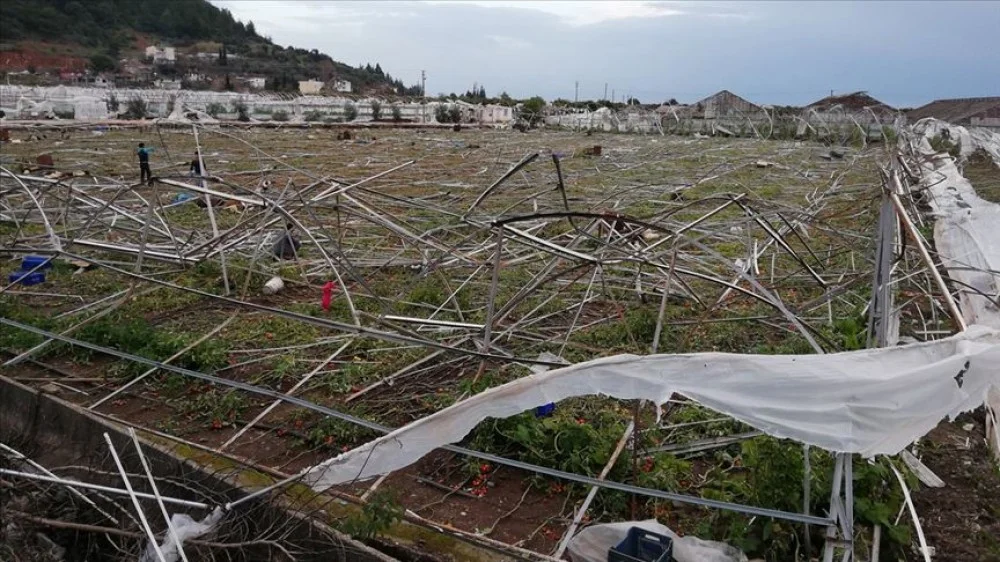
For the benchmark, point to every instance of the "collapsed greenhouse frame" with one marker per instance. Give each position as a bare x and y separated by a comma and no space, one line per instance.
622,239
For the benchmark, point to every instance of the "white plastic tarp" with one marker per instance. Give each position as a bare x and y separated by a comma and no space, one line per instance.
966,233
592,544
185,528
870,402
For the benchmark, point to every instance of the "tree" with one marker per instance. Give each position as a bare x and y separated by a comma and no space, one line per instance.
223,57
251,31
135,108
672,101
441,113
506,100
242,111
350,112
378,69
397,114
102,63
532,108
376,110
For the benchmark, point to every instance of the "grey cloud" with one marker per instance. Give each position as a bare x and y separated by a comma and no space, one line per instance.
787,52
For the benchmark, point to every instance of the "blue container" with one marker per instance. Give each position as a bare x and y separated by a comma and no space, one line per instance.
545,411
641,545
31,262
25,278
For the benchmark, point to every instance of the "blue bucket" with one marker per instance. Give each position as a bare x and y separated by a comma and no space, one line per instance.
31,262
25,278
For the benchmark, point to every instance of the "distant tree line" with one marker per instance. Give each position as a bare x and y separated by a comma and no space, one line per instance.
108,24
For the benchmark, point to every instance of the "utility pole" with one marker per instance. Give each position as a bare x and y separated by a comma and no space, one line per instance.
423,96
576,94
605,98
612,95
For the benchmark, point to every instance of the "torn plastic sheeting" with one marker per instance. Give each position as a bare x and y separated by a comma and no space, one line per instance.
186,528
966,236
870,402
592,544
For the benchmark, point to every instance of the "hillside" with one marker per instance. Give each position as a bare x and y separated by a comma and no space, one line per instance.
102,34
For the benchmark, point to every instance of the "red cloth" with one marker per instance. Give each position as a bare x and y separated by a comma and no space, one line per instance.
328,294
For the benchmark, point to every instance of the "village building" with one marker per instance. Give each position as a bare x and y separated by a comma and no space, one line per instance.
969,112
161,55
855,103
722,105
310,87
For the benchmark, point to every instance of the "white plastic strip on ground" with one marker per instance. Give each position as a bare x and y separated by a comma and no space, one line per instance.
966,234
966,227
870,402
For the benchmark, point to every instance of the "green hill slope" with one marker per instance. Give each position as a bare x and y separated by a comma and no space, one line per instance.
111,29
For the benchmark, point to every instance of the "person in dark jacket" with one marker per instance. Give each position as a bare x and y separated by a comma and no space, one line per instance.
145,174
195,168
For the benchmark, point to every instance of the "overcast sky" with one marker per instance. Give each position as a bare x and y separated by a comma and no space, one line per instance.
904,53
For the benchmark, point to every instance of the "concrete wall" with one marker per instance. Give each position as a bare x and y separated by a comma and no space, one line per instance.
53,433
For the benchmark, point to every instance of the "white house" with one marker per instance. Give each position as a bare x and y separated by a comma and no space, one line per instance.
310,87
494,114
161,54
257,82
342,86
167,84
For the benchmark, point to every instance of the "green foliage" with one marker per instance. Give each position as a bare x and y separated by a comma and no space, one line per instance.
441,114
561,441
941,144
215,109
222,407
772,474
136,336
279,115
314,115
380,512
136,108
337,433
102,63
102,24
878,497
455,114
851,332
531,109
397,114
376,110
241,110
350,112
14,338
112,102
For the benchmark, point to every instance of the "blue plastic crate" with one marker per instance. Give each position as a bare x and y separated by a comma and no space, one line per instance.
545,410
641,545
25,278
31,262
